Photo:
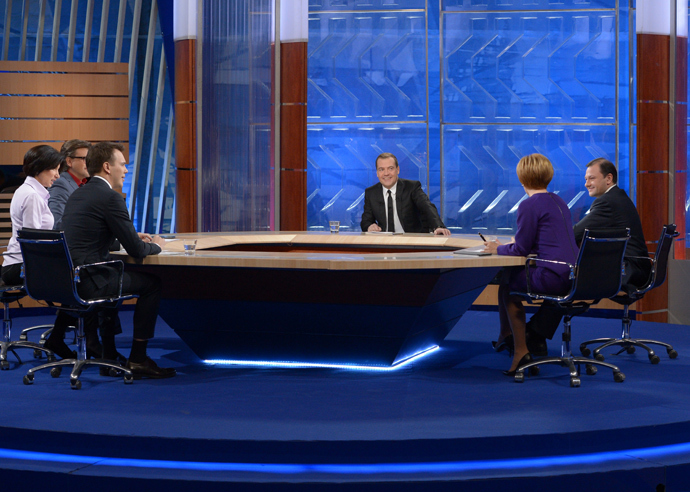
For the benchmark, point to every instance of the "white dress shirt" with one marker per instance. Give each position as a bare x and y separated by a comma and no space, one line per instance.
28,209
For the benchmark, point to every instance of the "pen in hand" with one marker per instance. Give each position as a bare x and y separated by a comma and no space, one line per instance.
482,236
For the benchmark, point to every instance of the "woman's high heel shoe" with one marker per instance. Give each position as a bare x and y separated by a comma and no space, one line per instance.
505,344
526,359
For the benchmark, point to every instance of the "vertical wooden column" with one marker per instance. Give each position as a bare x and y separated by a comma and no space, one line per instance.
661,130
185,136
293,136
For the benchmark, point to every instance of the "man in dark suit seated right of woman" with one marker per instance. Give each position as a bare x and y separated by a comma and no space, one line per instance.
611,209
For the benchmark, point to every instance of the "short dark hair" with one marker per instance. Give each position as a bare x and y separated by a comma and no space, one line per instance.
99,154
40,158
606,167
386,155
70,147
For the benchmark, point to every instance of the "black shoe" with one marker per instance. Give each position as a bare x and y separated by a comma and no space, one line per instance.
149,369
110,372
526,359
59,348
505,344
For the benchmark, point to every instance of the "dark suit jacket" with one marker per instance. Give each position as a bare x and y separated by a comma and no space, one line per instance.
614,210
415,210
95,215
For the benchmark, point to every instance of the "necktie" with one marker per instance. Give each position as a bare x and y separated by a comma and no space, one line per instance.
391,216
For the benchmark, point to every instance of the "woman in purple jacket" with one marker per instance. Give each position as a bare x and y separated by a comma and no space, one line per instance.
545,229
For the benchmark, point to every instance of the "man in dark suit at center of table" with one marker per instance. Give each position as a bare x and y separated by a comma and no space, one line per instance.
611,209
398,205
95,215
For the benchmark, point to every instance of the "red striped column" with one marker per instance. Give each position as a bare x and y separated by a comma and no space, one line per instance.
293,115
661,133
185,18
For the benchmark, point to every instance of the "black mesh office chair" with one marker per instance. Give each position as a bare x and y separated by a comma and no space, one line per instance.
51,277
656,278
596,275
8,295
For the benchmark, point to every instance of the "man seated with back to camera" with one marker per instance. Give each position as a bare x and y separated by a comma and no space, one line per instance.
73,175
95,215
398,205
611,209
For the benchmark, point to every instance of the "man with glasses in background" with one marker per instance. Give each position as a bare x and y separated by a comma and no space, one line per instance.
73,174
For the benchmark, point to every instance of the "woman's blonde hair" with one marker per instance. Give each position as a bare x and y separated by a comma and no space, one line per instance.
535,171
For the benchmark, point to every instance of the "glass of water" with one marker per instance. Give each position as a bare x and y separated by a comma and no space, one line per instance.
189,247
334,225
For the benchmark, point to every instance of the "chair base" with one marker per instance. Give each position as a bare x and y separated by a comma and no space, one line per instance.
6,347
48,329
628,345
573,365
78,366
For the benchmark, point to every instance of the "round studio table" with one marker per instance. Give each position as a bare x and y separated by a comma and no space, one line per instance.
348,298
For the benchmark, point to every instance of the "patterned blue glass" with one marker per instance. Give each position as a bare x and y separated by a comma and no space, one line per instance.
529,67
481,187
552,5
363,5
341,163
367,67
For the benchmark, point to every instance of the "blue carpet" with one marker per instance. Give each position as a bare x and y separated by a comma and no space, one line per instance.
452,406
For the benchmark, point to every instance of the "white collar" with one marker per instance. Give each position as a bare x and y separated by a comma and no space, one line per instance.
108,182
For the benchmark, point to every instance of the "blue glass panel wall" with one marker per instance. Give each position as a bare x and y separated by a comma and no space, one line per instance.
503,78
236,103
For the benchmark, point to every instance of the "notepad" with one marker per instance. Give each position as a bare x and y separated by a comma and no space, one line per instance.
473,251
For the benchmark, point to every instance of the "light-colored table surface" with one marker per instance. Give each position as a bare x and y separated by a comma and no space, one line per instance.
327,251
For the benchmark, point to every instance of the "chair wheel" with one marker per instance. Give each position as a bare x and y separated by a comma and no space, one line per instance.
75,384
630,350
28,379
519,377
129,379
574,382
4,365
599,357
56,371
23,337
672,354
590,369
654,359
584,350
38,354
618,377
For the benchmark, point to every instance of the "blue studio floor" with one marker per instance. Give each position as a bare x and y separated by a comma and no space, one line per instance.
449,421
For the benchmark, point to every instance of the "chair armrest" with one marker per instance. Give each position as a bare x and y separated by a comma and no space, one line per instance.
535,296
121,269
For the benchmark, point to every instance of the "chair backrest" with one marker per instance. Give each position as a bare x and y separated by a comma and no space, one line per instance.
658,274
48,270
600,264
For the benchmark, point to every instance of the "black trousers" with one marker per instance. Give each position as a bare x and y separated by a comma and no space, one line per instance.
548,317
146,286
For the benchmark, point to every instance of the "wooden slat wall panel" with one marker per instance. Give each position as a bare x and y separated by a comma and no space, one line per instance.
64,107
92,104
61,84
13,152
74,67
61,130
